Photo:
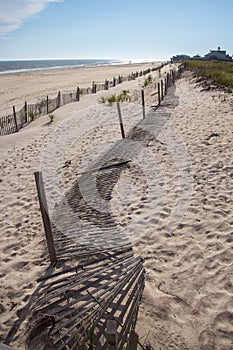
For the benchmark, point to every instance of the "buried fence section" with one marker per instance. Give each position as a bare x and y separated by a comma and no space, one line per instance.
92,296
97,280
96,304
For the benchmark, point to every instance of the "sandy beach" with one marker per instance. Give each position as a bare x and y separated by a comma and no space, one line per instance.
175,202
15,89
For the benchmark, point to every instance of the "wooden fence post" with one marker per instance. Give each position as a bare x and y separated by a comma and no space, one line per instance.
143,105
173,76
94,87
114,81
165,86
45,216
162,90
47,104
159,94
168,80
26,111
133,342
111,335
16,125
106,84
59,99
78,94
120,120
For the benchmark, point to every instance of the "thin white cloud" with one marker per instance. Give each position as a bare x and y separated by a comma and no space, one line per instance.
13,13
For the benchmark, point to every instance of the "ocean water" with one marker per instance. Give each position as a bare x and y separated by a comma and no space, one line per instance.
15,67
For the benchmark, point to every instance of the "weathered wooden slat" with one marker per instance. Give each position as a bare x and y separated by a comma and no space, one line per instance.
97,272
130,267
119,285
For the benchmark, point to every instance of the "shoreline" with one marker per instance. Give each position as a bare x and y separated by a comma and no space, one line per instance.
32,86
70,67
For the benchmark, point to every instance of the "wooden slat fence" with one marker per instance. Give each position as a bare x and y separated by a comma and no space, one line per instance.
13,123
7,125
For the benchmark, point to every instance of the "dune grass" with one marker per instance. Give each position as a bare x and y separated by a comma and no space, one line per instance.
124,96
219,73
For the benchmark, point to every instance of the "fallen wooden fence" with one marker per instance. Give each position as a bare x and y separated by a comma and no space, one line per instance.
74,307
90,294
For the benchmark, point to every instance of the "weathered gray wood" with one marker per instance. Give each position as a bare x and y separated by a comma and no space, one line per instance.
106,84
143,105
6,347
26,111
173,76
45,216
47,105
120,120
111,335
133,343
162,94
94,87
105,167
78,94
59,99
159,94
16,125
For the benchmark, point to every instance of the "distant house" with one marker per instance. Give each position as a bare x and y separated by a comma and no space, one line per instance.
196,57
179,58
217,55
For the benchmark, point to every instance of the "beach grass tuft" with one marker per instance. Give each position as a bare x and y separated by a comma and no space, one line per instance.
148,81
124,96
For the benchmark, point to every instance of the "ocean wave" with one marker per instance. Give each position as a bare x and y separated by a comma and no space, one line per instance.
17,67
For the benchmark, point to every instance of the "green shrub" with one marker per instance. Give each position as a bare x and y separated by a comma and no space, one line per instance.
148,81
31,115
124,96
51,117
111,99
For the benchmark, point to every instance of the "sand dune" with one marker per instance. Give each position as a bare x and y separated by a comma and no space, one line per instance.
187,301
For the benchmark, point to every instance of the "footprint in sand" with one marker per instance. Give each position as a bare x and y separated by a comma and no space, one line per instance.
207,340
223,325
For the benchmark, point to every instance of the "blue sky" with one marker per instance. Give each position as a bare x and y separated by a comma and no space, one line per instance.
123,29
